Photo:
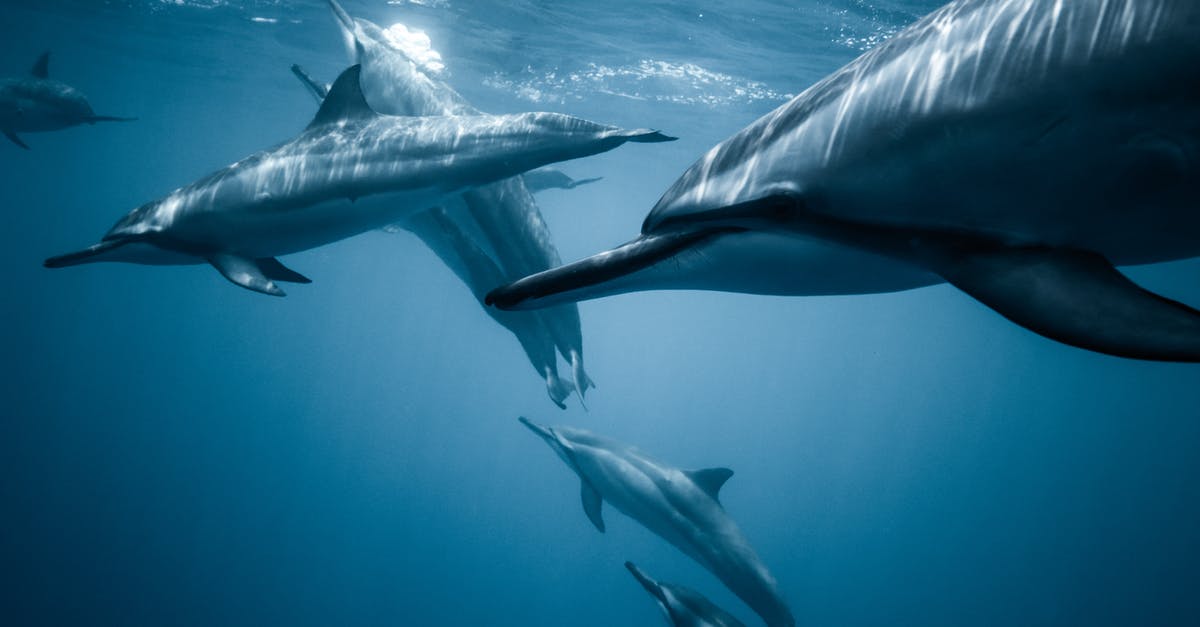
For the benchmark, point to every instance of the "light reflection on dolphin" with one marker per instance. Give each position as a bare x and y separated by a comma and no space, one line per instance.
505,212
352,170
1014,148
38,103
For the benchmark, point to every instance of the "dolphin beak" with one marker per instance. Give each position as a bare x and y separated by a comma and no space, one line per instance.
90,254
644,579
545,432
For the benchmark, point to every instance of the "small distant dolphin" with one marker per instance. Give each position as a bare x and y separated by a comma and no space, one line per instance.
352,170
683,606
38,103
680,506
1016,149
505,212
543,179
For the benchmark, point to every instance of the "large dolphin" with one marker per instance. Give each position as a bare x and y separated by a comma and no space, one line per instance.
680,506
350,171
1016,149
682,606
505,213
475,268
38,103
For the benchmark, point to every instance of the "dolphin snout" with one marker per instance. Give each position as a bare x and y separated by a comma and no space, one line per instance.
545,432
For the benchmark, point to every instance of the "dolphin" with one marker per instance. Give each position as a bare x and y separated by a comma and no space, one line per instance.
682,606
442,235
680,506
351,170
1017,149
38,103
505,213
543,179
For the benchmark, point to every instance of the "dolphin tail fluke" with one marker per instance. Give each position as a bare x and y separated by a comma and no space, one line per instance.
559,389
244,272
591,277
12,137
91,254
1077,298
92,119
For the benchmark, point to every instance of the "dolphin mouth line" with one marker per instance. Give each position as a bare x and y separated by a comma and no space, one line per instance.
84,256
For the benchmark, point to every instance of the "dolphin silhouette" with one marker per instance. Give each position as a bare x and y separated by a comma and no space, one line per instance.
683,606
352,170
1016,149
505,212
680,506
38,103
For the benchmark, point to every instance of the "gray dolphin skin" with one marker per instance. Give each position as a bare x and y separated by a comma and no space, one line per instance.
38,103
472,265
505,213
352,170
682,606
680,506
1016,149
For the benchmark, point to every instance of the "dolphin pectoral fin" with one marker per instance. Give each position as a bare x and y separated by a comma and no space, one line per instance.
710,480
245,272
585,278
41,67
592,504
16,140
273,269
1078,298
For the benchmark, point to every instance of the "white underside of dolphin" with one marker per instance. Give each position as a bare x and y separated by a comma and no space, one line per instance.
1017,149
352,170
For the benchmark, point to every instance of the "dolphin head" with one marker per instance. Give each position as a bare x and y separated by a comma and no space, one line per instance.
135,238
560,445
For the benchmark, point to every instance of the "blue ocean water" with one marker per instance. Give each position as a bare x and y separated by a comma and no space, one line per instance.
177,451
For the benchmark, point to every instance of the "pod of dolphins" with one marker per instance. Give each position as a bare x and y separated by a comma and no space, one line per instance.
1019,150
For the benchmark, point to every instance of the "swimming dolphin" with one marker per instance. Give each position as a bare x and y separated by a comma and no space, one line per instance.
504,213
543,179
442,235
352,170
682,606
38,103
1016,149
680,506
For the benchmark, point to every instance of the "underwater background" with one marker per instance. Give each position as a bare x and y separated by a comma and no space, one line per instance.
178,451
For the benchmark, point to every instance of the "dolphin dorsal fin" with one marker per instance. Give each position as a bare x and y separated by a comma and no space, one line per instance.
345,100
41,67
710,480
592,504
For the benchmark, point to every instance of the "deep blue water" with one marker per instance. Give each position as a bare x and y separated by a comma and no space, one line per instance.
177,451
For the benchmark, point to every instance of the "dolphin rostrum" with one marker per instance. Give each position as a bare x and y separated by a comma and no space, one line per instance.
38,103
1016,149
682,606
352,170
680,506
504,213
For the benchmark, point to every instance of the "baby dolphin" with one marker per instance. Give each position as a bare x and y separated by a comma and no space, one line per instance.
680,506
1016,149
683,606
352,170
38,103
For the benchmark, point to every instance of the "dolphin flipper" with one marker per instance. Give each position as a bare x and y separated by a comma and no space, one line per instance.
273,269
1078,298
15,139
245,272
592,504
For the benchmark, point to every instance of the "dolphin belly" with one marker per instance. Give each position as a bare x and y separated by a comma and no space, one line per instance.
268,231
